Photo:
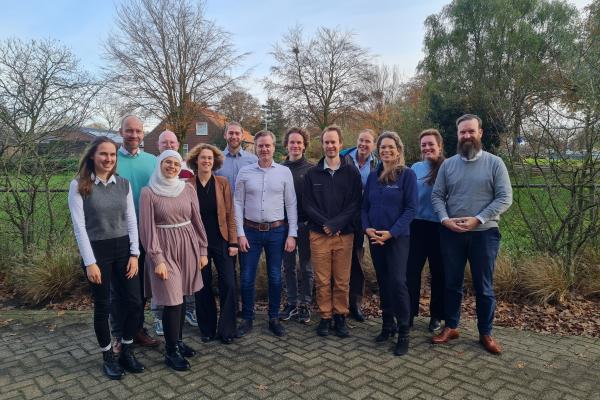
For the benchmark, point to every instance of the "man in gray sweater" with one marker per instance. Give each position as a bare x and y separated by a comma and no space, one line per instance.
472,189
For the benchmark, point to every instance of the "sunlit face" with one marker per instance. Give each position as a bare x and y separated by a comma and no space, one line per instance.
388,151
132,131
365,144
168,141
104,158
265,148
170,167
206,160
295,145
233,136
430,149
331,144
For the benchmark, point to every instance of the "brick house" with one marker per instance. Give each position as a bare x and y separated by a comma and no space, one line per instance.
207,127
73,141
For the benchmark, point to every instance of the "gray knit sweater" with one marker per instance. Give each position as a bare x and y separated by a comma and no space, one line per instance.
478,188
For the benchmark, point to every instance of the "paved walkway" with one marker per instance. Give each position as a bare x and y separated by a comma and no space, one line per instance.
54,356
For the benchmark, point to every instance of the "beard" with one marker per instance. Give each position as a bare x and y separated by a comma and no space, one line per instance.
469,148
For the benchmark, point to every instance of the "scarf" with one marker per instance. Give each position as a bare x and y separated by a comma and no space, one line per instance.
161,185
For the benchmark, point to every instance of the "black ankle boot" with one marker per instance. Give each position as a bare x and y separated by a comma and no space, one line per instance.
128,361
403,339
111,368
175,360
185,350
386,333
324,326
341,330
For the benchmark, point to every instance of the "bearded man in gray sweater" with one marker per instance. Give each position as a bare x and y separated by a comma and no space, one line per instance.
472,189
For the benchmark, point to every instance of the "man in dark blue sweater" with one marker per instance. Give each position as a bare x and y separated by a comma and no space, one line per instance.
331,200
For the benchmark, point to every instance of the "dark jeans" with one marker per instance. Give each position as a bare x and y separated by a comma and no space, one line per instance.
306,269
357,277
117,317
480,248
206,306
112,256
425,245
389,262
272,241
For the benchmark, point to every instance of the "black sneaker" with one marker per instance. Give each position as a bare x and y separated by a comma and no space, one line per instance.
324,326
276,327
341,330
434,325
111,367
243,328
289,311
303,314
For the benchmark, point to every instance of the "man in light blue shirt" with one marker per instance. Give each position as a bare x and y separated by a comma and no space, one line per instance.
264,197
235,156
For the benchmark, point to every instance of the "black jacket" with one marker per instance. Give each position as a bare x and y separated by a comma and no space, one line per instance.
332,200
299,169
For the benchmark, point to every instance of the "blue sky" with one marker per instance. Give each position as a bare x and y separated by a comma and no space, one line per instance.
390,29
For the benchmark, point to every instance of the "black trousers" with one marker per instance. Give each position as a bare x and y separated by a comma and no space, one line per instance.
357,277
112,256
389,261
117,317
425,245
206,306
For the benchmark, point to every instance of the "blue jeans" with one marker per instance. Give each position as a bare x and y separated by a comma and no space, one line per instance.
272,241
480,248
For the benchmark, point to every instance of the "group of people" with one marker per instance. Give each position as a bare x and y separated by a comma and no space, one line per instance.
224,207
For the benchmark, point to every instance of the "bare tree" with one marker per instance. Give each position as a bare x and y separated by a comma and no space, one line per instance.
323,76
382,92
167,58
42,92
109,107
239,105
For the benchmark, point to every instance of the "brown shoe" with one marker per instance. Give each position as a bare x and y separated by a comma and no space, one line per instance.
143,339
490,344
446,335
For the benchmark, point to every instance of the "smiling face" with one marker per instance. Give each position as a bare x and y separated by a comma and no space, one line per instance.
170,167
469,138
331,144
365,144
233,136
388,151
295,145
105,159
430,148
132,131
206,160
167,141
265,148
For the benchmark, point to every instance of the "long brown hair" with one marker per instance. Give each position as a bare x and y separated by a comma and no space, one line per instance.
390,176
86,165
435,165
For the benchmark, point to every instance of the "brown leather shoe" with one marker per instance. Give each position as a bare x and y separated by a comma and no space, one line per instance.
490,344
446,335
143,339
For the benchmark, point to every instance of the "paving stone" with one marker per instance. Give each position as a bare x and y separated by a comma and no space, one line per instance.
43,355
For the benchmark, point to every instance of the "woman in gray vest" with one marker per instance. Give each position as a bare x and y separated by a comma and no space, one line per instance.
105,227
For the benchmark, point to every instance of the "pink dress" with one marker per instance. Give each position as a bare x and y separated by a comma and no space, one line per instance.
172,232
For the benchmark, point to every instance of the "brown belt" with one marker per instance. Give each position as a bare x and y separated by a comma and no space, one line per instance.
263,226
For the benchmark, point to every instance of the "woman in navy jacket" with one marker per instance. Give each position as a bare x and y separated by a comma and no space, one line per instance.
389,205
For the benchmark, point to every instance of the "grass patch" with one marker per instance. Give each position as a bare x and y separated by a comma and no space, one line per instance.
45,277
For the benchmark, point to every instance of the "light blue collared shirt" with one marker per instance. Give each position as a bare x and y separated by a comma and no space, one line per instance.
232,164
265,195
365,170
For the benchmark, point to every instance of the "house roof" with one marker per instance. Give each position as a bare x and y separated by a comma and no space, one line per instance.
114,135
215,118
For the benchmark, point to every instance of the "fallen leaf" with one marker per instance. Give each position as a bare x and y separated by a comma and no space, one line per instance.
261,387
520,365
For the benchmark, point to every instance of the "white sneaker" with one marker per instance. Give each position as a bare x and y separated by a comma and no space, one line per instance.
190,318
158,328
